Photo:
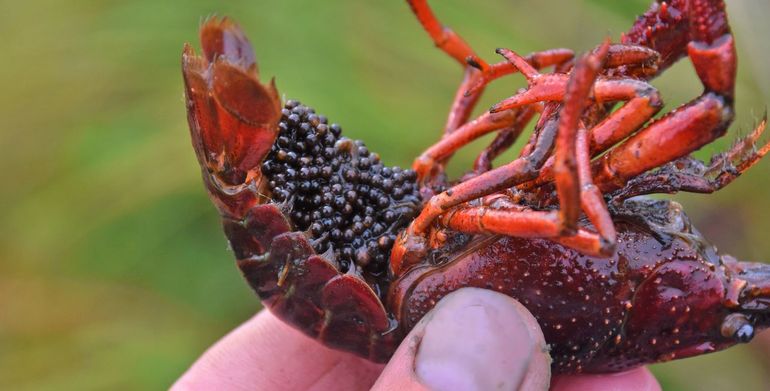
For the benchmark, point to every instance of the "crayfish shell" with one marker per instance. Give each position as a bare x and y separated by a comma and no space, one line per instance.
233,121
305,289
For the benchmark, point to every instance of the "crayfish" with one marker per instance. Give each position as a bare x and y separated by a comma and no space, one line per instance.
354,253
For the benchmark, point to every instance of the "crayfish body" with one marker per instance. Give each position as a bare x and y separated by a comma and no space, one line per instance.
665,293
354,253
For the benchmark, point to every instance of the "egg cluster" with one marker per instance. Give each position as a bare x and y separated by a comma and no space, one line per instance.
337,191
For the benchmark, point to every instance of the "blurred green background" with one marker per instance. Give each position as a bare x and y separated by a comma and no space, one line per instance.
114,272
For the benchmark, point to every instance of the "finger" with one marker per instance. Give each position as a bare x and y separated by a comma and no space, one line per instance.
266,354
639,379
474,339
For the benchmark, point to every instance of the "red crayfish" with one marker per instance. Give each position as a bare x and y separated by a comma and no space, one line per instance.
354,253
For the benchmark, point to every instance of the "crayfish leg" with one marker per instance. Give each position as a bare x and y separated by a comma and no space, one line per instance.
454,46
510,123
677,134
504,139
691,175
711,49
568,179
558,129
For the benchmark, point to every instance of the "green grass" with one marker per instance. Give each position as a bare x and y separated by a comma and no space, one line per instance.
114,272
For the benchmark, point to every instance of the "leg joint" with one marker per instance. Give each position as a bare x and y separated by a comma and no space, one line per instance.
715,64
651,93
531,167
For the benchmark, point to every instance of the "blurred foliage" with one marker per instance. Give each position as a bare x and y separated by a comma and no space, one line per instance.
113,270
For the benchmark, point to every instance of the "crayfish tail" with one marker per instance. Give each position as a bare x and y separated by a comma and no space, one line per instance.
223,38
233,117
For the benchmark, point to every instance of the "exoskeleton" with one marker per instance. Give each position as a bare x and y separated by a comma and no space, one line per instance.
354,253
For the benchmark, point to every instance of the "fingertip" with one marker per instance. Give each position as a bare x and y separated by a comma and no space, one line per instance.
399,372
230,356
473,339
639,379
264,353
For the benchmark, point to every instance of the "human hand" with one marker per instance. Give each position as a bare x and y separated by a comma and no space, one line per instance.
474,339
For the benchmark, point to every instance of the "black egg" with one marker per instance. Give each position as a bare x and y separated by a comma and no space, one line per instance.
347,200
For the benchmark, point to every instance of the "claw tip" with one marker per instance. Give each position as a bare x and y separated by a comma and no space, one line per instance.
471,60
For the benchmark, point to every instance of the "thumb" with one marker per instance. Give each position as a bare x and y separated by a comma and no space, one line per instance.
474,339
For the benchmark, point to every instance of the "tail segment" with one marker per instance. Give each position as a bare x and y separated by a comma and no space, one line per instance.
233,117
